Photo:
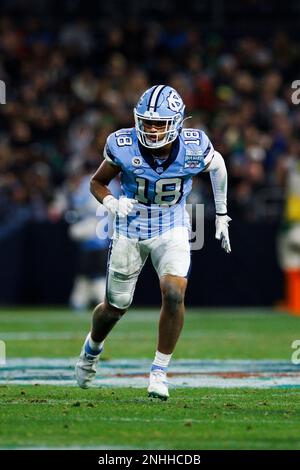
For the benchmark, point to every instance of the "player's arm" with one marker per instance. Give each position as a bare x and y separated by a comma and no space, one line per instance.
99,188
101,179
218,177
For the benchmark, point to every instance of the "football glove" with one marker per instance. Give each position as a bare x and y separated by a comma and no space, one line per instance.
121,206
222,222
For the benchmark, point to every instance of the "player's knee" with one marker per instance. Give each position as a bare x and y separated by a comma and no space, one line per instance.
118,300
120,290
172,294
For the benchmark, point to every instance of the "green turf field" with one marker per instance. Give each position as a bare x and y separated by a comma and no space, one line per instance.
197,419
193,418
221,334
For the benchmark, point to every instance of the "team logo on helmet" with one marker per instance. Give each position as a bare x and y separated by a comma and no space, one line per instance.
174,102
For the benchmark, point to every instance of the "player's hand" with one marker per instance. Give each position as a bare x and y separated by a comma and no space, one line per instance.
222,222
121,206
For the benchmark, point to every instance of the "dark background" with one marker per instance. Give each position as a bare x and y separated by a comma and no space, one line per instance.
41,271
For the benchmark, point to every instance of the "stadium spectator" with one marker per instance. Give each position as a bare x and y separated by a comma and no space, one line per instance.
67,88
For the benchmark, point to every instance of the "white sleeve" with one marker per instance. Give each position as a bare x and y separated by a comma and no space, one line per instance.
218,177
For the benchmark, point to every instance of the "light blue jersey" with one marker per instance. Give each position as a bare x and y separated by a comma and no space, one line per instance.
161,187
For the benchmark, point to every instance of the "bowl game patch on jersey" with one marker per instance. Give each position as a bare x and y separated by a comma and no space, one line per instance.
193,158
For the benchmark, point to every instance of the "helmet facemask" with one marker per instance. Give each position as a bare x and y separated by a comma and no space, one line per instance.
170,129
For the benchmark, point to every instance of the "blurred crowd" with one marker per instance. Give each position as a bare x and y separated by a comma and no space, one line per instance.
69,87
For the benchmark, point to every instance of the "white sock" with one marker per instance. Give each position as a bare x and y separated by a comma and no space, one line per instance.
93,347
161,361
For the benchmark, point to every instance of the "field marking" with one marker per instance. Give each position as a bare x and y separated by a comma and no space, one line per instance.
136,315
56,317
31,336
134,373
213,445
70,335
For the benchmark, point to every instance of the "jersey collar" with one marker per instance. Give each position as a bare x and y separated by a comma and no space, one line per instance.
146,154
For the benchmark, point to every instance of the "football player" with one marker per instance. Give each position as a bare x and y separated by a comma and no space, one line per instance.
157,160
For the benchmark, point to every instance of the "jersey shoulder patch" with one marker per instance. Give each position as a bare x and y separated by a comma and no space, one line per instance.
198,149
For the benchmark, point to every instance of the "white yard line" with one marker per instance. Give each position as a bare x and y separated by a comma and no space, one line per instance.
30,336
55,317
69,335
136,315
